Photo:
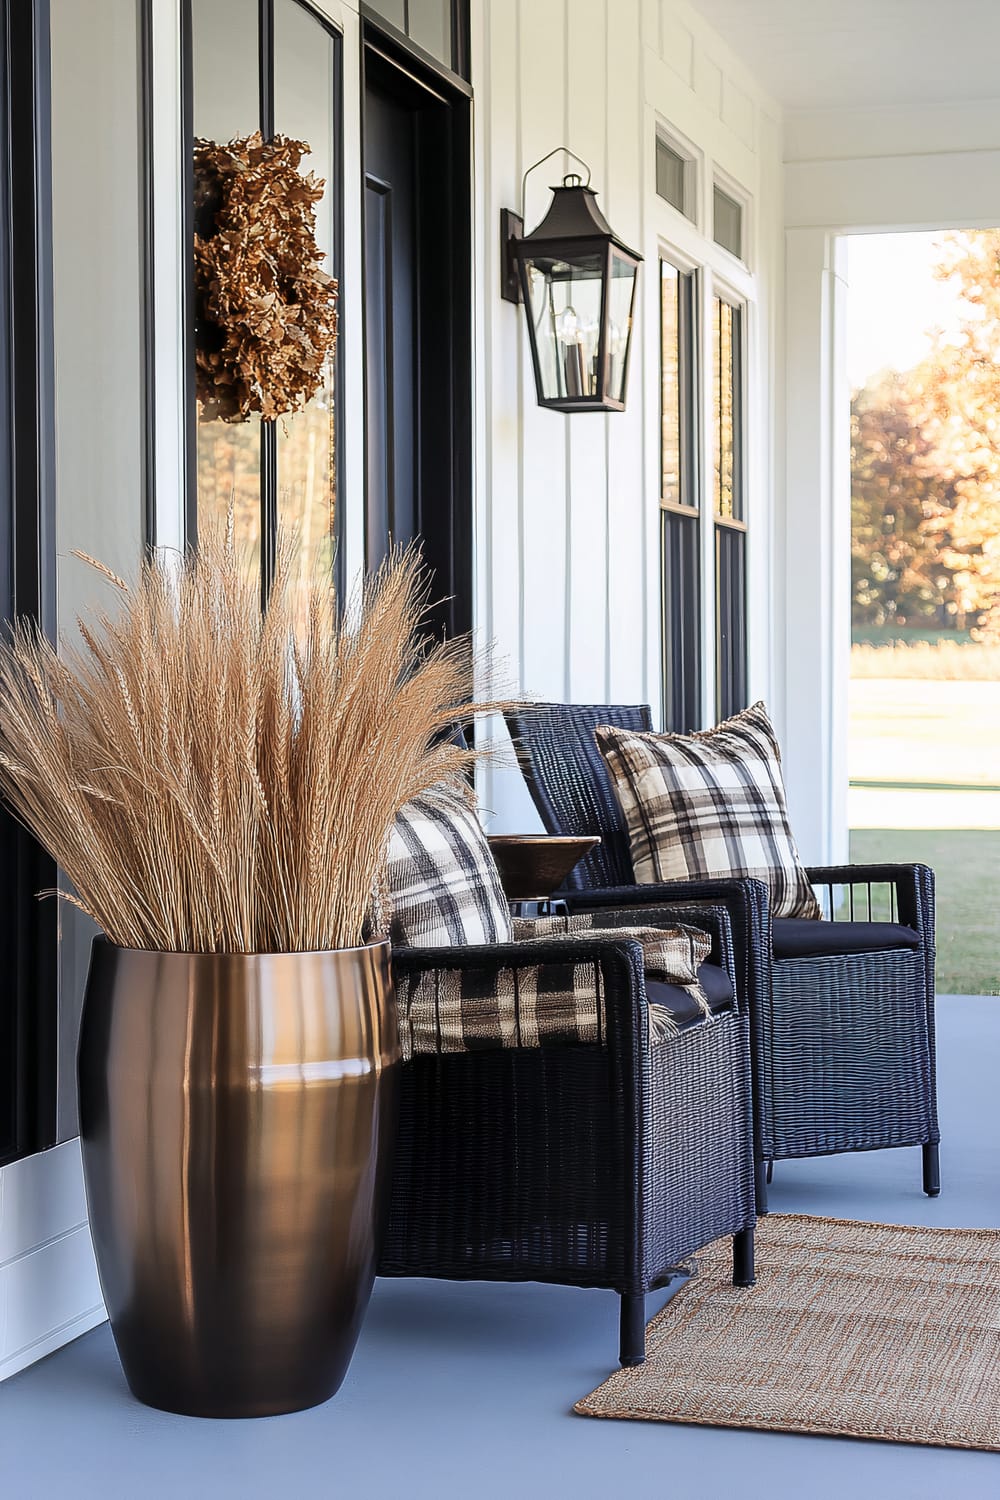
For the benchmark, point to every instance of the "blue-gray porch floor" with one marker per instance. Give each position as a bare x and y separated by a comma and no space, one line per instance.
465,1390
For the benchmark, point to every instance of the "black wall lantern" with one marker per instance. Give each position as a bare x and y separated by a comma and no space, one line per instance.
577,282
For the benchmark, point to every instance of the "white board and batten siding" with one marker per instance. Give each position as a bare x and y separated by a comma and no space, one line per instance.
567,508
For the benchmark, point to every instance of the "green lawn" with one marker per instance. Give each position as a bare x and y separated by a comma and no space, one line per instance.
967,865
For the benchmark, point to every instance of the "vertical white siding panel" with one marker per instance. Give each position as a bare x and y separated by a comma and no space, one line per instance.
630,659
766,413
543,433
587,561
502,362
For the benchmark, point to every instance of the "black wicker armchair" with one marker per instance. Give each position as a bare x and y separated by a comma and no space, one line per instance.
842,1011
606,1164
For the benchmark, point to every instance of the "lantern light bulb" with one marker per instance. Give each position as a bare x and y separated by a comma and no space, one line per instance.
567,324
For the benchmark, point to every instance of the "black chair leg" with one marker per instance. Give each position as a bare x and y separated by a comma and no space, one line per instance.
761,1178
932,1169
632,1349
743,1266
770,1173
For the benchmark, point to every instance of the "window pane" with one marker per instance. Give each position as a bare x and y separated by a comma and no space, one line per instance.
677,386
680,604
730,621
224,48
566,316
670,167
394,12
430,27
727,222
726,417
670,370
621,289
304,102
98,377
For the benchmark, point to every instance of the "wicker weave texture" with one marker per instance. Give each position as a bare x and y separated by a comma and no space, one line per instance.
842,1047
850,1054
590,1165
854,1330
569,784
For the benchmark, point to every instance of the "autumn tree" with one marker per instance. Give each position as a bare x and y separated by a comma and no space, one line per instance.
900,511
926,466
958,391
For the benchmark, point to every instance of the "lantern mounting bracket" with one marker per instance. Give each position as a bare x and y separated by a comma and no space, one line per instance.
511,230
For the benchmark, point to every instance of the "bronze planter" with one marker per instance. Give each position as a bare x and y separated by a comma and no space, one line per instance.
237,1114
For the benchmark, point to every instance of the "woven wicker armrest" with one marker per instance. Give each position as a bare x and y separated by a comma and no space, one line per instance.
557,950
913,885
715,889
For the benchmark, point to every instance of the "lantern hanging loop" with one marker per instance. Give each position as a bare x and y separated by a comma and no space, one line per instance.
541,162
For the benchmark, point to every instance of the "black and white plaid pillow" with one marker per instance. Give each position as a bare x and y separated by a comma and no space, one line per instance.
443,883
709,804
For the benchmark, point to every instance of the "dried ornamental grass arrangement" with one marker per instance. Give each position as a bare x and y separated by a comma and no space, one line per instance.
212,779
266,310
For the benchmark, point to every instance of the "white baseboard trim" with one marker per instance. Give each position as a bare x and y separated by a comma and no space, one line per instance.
49,1289
53,1341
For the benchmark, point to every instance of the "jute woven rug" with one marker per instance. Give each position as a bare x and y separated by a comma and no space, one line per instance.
853,1330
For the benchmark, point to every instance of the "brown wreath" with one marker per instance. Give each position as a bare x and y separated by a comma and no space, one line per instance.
266,312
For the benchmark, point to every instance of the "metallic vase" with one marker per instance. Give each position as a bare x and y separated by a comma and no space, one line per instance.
238,1115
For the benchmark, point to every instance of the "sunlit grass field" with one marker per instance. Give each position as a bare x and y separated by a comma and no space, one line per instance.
966,863
924,765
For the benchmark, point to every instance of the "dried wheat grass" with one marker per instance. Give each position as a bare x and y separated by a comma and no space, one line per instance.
213,779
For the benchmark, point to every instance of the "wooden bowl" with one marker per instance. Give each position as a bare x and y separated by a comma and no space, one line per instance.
532,866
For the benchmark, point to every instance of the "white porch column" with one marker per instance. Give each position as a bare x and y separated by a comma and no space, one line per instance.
813,526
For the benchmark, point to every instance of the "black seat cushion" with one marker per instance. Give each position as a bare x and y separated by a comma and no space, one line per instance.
684,1007
799,937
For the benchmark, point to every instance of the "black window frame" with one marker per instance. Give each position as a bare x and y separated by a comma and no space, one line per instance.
268,430
730,531
680,520
461,61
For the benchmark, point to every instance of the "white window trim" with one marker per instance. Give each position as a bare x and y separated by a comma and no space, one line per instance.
694,175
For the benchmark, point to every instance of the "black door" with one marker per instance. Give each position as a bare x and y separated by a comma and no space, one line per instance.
418,323
29,994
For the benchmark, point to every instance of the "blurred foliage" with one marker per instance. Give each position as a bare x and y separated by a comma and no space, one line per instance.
925,509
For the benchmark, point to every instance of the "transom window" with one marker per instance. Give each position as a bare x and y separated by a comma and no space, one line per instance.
676,175
727,222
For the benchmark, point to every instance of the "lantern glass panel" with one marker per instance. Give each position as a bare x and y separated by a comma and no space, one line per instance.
565,306
620,288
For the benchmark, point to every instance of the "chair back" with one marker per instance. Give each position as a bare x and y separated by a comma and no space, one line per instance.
569,783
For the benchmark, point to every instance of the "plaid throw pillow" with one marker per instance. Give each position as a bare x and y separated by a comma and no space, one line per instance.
709,804
443,883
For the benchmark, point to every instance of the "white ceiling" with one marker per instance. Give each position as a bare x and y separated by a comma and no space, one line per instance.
828,54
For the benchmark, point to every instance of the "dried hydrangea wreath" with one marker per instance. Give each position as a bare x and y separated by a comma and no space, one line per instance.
266,310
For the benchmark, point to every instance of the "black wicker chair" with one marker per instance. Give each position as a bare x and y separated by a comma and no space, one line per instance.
842,1012
590,1165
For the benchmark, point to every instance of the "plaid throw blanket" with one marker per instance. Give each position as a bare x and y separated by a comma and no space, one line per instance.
534,1005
